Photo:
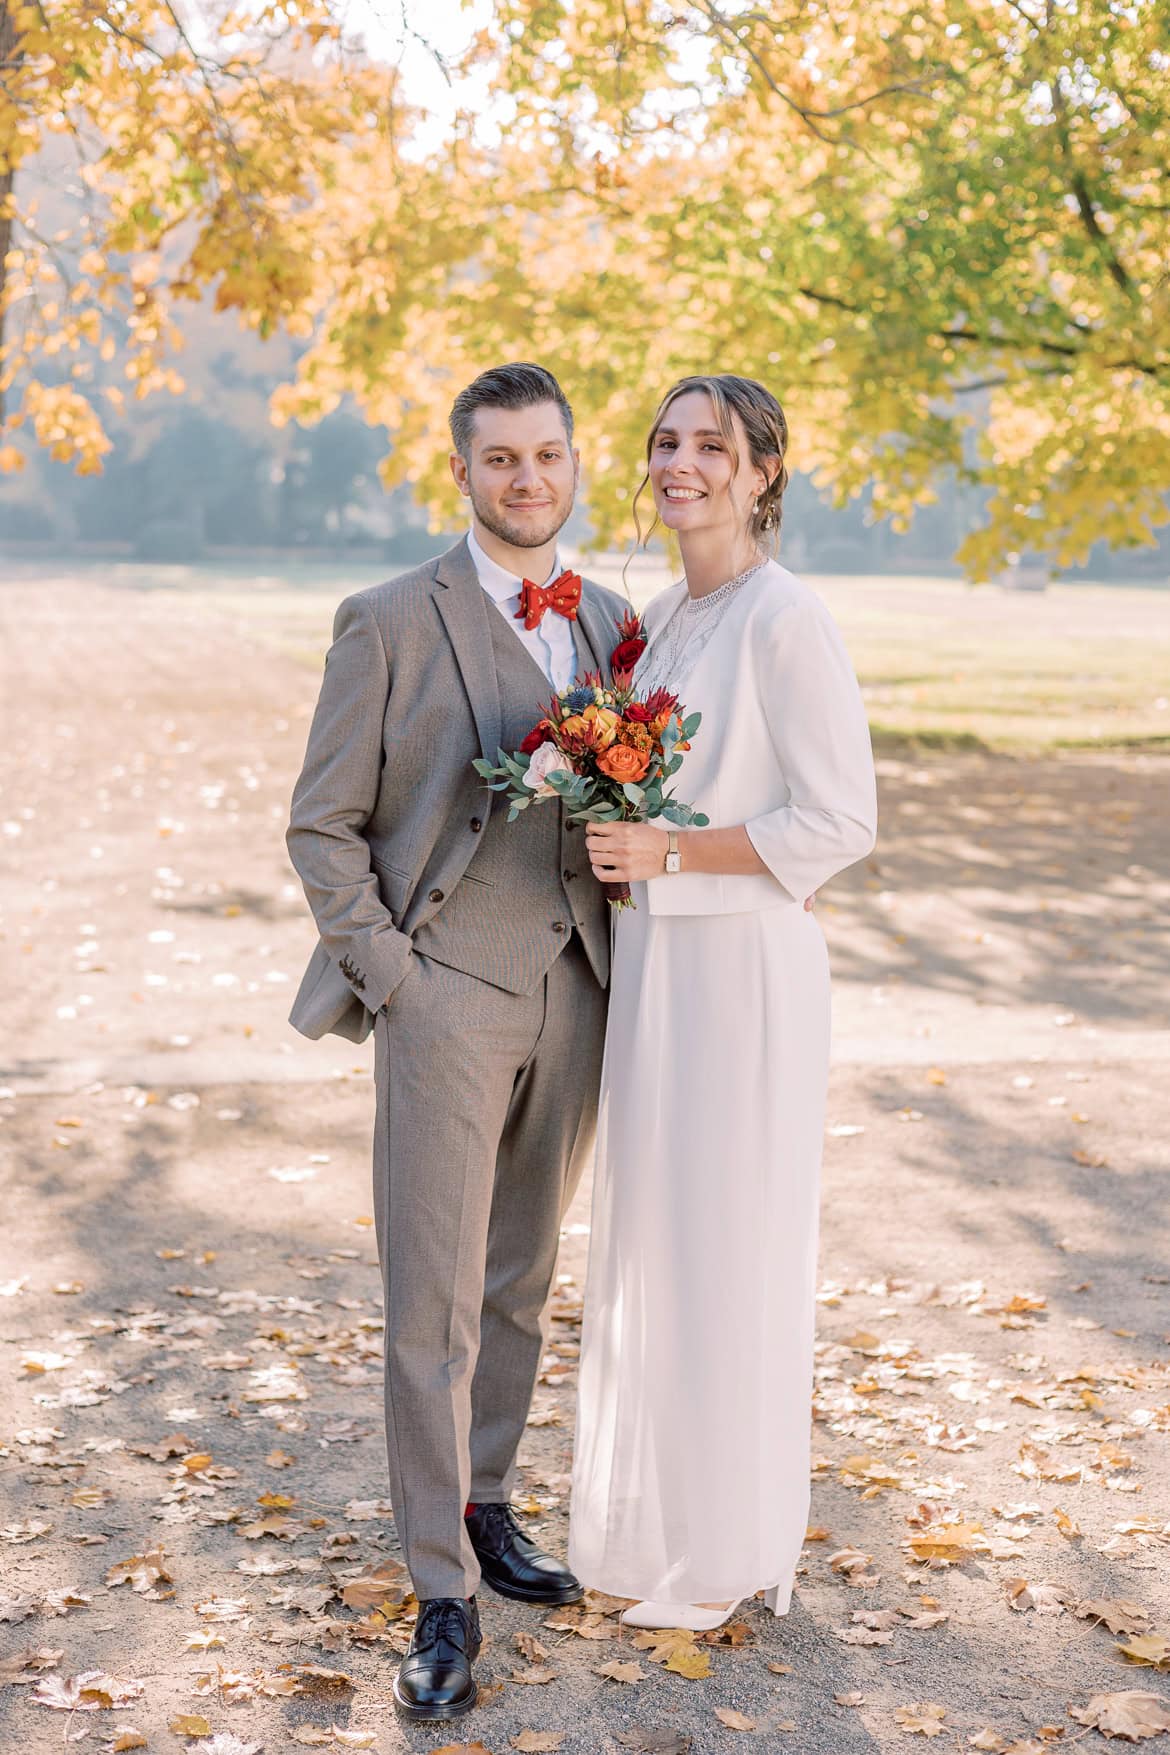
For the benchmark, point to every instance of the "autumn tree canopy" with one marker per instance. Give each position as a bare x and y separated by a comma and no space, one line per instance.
940,232
189,153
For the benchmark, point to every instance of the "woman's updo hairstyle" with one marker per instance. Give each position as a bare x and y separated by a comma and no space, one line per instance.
766,428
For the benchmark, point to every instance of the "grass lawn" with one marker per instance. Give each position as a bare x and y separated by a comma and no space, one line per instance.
942,663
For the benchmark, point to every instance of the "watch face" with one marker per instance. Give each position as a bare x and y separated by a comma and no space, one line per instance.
674,862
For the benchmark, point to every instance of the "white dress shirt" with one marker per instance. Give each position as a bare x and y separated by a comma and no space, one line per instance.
551,644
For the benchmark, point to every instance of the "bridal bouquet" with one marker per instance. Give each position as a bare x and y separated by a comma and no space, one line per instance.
606,752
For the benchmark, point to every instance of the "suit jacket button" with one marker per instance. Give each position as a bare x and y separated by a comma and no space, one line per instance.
476,825
568,875
559,926
570,827
436,895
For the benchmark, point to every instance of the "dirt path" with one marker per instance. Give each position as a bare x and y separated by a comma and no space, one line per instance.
188,1272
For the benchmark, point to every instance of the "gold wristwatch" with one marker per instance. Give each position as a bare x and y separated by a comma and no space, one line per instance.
673,856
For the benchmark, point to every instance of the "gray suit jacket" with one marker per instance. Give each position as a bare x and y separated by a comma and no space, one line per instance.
381,815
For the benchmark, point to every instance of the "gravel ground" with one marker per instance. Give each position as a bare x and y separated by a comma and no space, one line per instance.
190,1317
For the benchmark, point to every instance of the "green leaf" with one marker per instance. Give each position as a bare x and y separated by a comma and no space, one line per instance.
634,793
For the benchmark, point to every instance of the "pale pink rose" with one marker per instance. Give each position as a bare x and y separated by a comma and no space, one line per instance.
547,760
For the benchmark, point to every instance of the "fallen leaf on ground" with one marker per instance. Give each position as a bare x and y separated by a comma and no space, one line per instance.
538,1742
462,1749
22,1666
675,1649
24,1532
387,1583
142,1572
620,1672
949,1541
1129,1714
861,1636
849,1699
315,1679
127,1739
735,1721
1046,1598
1117,1614
731,1633
534,1676
190,1724
584,1626
651,1742
1149,1648
529,1646
61,1694
990,1740
925,1717
849,1561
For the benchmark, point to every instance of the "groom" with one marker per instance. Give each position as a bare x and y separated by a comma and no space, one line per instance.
479,954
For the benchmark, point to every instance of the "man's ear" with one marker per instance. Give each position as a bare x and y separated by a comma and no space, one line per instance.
459,471
576,467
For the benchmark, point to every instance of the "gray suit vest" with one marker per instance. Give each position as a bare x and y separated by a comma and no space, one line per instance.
529,885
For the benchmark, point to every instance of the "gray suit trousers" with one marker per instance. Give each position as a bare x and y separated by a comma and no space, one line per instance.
486,1108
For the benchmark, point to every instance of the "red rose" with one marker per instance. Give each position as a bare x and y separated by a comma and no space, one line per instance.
639,713
542,733
626,655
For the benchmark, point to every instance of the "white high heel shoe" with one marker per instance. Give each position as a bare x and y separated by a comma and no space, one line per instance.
778,1601
686,1615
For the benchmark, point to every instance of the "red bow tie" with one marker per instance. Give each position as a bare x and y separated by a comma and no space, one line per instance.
563,595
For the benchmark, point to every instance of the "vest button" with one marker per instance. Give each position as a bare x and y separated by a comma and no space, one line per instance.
570,827
436,895
568,875
476,825
559,926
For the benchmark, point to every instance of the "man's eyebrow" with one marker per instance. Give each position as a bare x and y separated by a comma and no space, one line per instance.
544,445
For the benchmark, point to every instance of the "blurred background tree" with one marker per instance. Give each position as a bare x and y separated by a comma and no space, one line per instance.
940,233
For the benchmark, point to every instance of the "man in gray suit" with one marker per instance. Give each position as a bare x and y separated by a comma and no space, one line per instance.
479,954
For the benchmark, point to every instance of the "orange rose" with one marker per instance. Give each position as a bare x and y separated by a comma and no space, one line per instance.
621,763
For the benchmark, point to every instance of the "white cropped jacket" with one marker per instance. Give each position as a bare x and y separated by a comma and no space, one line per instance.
783,748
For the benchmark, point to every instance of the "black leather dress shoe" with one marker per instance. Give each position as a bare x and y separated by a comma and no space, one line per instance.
511,1562
434,1680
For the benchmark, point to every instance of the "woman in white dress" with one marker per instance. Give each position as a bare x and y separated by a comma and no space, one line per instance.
691,1471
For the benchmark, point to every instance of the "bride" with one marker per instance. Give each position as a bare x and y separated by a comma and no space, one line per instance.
691,1473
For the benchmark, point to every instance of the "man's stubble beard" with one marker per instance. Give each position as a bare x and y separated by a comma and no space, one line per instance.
510,533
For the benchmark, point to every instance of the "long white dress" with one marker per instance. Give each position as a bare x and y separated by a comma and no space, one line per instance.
691,1468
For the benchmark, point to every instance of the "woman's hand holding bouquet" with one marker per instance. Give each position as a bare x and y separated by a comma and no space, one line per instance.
606,752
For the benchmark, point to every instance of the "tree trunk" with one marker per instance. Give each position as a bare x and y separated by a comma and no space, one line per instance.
10,58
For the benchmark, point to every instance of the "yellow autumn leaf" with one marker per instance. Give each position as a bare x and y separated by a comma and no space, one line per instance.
925,1718
735,1721
1152,1649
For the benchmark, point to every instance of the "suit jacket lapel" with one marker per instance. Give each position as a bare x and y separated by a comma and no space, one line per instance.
463,605
597,633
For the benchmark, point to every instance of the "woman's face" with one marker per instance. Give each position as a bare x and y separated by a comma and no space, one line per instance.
692,475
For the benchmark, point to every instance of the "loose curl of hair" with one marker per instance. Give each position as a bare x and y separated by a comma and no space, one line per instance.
766,428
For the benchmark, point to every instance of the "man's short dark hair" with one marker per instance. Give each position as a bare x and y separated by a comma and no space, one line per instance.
515,386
